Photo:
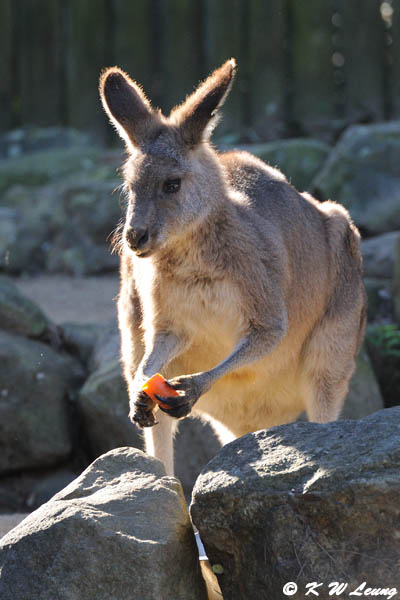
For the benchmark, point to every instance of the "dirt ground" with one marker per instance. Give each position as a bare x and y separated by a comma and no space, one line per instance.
71,299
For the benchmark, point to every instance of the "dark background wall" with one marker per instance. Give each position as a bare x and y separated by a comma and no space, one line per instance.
306,67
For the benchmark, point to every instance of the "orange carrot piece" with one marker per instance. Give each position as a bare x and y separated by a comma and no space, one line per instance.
158,385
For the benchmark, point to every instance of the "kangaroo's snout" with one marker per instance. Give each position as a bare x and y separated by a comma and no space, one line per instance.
137,239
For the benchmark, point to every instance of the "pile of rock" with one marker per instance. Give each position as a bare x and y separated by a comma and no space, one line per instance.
37,381
362,173
296,504
57,205
63,402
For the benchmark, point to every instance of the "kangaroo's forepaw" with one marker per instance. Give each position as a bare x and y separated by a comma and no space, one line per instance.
189,392
141,412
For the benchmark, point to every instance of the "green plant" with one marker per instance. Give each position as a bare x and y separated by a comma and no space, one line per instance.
386,338
383,342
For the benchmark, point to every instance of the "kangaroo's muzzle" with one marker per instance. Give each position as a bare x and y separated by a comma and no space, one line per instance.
137,239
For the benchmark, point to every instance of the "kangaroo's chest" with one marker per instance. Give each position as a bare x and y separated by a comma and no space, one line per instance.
209,314
208,306
201,303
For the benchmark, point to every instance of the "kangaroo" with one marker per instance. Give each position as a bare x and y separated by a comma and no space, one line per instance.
246,294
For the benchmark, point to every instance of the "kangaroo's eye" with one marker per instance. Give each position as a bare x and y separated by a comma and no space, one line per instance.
171,186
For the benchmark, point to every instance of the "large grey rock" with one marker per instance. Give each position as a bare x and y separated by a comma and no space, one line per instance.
119,531
22,238
35,380
103,400
379,294
106,349
82,339
41,167
304,502
104,405
364,396
79,217
8,233
396,283
87,214
81,258
58,209
299,159
363,173
18,313
378,254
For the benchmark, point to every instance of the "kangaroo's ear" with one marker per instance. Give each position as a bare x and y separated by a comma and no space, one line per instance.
196,117
126,105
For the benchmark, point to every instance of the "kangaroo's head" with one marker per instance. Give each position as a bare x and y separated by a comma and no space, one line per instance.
172,175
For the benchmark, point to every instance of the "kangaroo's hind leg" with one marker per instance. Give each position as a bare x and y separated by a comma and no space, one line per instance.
159,440
326,397
330,355
329,364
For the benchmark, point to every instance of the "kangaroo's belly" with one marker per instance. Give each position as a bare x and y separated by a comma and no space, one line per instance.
264,393
243,403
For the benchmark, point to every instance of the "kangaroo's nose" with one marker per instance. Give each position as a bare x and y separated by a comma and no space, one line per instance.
136,238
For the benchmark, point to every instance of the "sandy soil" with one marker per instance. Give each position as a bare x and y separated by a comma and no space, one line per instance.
70,299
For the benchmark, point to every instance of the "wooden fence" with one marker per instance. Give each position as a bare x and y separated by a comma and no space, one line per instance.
306,67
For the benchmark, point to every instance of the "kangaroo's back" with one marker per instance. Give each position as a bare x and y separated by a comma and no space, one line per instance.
322,232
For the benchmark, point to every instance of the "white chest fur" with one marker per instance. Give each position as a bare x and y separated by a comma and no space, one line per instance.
199,303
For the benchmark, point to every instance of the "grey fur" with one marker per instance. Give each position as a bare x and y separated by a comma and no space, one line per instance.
247,295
